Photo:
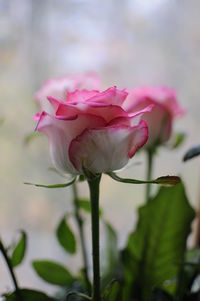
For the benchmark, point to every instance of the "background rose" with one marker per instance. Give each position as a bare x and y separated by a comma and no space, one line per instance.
160,120
57,87
92,129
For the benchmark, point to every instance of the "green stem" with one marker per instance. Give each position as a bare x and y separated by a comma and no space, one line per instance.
149,173
79,222
94,198
10,268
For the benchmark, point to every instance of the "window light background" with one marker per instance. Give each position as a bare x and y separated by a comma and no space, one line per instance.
128,43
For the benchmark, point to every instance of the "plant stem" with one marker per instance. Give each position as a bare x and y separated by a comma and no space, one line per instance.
94,198
79,222
149,173
10,268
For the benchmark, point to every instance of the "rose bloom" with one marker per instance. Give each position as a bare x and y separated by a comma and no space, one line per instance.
160,120
57,87
92,130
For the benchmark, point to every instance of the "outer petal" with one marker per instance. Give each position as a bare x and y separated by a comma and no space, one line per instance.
61,133
67,110
107,149
133,118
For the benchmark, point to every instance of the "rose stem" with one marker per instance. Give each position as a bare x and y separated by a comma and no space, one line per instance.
94,198
149,173
10,268
79,222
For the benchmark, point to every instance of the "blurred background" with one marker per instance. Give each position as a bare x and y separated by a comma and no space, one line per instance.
128,43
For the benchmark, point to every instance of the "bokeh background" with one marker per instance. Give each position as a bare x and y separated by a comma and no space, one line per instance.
128,43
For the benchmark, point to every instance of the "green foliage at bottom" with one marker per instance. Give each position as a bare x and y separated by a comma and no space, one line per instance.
156,249
28,295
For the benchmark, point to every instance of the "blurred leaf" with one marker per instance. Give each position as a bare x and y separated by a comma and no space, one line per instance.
178,140
109,256
192,297
54,185
160,295
66,237
81,178
30,137
53,272
29,295
192,152
156,249
19,250
84,204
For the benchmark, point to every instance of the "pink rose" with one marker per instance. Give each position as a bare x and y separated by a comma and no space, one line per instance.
57,87
160,120
92,130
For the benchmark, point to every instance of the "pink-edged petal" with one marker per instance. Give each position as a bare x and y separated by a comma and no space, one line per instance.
107,112
163,96
107,149
36,117
133,118
111,96
80,95
60,134
160,125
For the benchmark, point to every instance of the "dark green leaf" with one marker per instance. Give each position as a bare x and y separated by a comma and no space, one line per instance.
81,178
156,249
191,153
189,272
53,272
160,295
54,185
19,250
66,237
29,295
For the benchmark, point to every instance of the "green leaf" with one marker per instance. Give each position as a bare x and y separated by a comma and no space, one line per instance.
78,294
178,140
66,237
165,180
192,152
84,204
19,250
54,185
156,249
29,295
53,272
189,272
110,255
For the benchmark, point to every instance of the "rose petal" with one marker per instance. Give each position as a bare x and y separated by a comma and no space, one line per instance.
61,133
107,149
108,112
